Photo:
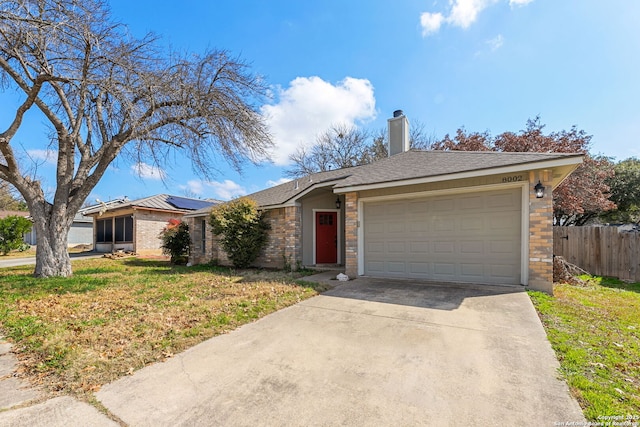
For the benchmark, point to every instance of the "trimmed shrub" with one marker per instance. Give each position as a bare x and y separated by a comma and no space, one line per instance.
12,228
176,241
241,228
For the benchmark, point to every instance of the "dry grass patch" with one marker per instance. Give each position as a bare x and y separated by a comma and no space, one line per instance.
115,316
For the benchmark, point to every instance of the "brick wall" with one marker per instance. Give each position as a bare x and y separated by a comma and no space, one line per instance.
283,243
147,227
351,234
541,234
198,254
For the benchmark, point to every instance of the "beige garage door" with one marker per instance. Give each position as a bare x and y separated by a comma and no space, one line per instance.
472,238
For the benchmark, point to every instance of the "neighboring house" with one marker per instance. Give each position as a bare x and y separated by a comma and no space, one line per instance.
4,214
448,216
80,233
136,224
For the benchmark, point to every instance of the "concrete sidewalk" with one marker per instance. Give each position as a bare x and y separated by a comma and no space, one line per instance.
368,352
31,260
24,405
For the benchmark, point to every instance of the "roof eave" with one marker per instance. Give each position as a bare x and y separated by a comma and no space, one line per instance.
572,161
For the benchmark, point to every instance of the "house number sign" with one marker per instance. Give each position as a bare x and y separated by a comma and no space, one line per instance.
513,178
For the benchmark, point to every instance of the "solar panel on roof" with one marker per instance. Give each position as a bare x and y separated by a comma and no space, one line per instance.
190,204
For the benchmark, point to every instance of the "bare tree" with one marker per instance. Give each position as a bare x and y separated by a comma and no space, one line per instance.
9,200
105,94
343,146
340,146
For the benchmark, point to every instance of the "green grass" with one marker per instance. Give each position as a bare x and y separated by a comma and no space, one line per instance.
595,332
115,316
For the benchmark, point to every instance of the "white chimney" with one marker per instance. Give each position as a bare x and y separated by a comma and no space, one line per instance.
398,133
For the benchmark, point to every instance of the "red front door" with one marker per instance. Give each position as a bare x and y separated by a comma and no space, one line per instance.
326,237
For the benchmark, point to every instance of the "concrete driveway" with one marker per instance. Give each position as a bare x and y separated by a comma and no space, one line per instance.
369,352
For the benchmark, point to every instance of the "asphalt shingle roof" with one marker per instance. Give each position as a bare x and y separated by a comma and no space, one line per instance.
403,166
408,165
423,164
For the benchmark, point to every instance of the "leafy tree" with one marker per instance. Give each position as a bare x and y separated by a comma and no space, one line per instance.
12,228
625,192
105,94
582,196
176,241
241,228
343,146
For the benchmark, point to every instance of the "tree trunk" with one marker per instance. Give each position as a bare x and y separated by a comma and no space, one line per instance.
52,256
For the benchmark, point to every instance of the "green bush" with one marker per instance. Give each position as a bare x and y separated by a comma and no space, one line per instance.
12,228
176,241
241,228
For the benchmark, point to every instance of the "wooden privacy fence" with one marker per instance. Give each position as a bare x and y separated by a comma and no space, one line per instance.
602,251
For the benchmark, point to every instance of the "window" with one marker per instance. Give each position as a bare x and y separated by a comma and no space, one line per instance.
104,231
204,236
124,229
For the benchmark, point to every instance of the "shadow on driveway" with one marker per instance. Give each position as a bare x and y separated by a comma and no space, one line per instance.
415,293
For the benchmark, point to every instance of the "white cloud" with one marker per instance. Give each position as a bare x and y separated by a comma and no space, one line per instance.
146,171
465,12
462,14
226,190
46,156
310,105
272,183
513,3
430,22
193,186
496,42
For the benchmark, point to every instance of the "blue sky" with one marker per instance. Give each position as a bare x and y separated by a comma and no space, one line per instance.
482,64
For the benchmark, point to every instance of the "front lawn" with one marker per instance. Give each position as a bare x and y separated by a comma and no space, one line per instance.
595,332
115,316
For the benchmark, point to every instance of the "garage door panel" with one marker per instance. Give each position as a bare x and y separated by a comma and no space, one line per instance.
471,223
474,270
443,247
443,204
396,248
396,267
375,247
375,267
444,269
503,200
503,247
419,268
443,225
421,247
470,202
375,228
472,247
396,227
464,237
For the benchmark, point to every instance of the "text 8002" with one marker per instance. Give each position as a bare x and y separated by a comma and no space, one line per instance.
514,178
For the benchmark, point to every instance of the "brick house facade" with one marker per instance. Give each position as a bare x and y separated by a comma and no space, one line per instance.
136,225
449,216
293,209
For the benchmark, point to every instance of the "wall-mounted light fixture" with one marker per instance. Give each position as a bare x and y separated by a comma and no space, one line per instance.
338,202
539,189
